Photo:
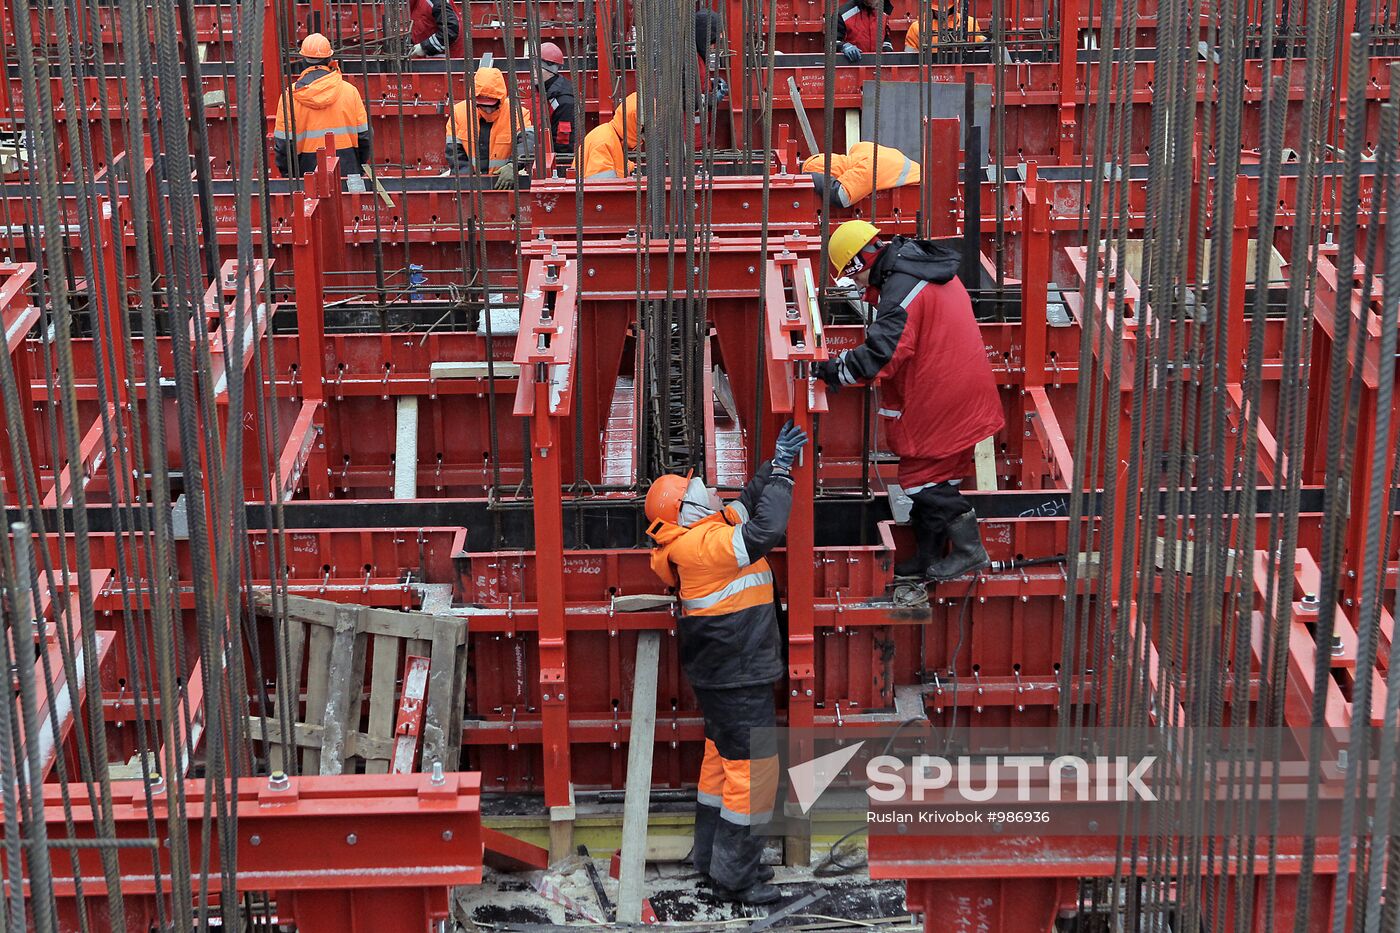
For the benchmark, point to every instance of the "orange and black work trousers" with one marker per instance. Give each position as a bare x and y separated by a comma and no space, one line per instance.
738,783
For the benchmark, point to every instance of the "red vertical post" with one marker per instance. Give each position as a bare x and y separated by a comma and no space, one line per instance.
603,41
1239,278
306,255
546,350
1035,274
1069,80
272,61
942,164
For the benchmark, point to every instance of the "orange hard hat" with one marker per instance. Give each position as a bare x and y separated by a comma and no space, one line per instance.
549,52
316,46
664,498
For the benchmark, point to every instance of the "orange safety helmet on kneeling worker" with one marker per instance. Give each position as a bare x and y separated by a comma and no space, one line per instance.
664,498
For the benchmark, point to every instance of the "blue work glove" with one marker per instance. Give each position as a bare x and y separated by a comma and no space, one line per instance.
851,52
721,90
791,439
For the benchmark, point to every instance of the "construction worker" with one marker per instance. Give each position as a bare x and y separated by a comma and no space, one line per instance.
713,88
606,146
434,28
936,385
482,136
731,651
852,177
858,28
558,94
321,101
947,23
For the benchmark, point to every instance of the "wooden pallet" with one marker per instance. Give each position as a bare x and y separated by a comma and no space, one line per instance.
329,648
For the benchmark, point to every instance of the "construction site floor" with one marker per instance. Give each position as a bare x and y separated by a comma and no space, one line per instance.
564,898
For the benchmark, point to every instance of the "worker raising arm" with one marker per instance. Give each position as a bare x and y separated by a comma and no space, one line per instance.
558,94
606,146
434,28
321,101
852,177
937,387
731,651
858,29
482,135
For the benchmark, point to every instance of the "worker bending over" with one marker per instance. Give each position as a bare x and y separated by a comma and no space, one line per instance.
945,22
852,177
321,101
606,146
557,92
731,651
434,29
936,385
482,136
858,28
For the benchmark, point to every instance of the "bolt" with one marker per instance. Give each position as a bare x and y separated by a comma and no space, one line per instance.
157,784
809,691
278,780
1337,647
438,778
255,840
351,839
1310,602
447,835
548,697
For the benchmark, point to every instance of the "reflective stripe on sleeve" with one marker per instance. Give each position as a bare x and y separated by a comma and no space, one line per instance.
847,377
709,800
740,510
334,130
913,293
741,550
905,172
851,12
732,588
890,413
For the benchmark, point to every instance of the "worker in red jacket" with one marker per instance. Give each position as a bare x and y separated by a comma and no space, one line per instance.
434,28
858,28
559,97
731,651
936,387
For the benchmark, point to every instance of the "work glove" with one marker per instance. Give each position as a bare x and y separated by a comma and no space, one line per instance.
505,176
851,52
887,47
417,51
791,440
828,371
721,90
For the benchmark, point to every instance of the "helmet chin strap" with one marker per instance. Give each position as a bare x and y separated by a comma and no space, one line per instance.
699,503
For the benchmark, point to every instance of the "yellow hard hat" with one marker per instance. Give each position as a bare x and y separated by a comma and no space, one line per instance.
316,46
847,241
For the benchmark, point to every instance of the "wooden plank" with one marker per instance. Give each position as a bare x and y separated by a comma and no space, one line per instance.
336,719
312,737
318,672
295,650
383,677
803,123
984,457
441,689
373,621
410,719
637,802
452,741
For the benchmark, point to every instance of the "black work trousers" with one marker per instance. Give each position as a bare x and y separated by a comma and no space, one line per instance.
934,509
738,783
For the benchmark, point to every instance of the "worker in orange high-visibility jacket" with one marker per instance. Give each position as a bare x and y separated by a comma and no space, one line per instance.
483,137
606,146
852,177
731,651
321,101
945,22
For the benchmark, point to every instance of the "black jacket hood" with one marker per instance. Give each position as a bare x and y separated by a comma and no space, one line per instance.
934,261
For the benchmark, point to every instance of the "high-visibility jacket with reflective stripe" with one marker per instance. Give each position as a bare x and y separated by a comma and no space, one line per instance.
861,27
729,625
603,153
950,27
463,130
322,102
855,171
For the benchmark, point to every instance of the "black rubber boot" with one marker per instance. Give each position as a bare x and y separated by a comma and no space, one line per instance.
754,895
967,553
926,520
